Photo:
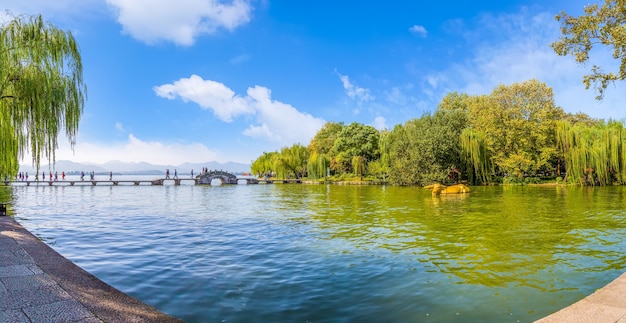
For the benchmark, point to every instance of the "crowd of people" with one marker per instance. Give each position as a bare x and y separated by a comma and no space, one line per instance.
24,177
53,177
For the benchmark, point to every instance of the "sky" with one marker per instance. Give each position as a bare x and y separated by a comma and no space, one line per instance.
170,82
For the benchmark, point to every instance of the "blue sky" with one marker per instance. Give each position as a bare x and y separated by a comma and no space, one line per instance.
208,80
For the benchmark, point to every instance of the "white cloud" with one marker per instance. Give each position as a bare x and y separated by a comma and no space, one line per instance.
276,121
179,21
380,123
208,94
281,122
418,30
519,53
134,150
353,91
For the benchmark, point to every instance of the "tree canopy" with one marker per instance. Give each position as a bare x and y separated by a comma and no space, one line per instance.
599,25
425,150
516,134
41,90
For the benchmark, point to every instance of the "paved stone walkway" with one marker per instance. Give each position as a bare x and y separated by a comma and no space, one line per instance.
39,285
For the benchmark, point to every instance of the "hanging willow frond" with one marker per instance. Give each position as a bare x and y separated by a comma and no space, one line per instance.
316,165
593,154
476,156
41,90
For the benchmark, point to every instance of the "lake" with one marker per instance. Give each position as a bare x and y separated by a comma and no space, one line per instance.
335,253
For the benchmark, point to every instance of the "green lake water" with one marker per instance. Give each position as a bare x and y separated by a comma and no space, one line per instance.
332,253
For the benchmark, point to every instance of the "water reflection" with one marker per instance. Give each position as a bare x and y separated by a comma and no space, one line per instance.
289,252
494,236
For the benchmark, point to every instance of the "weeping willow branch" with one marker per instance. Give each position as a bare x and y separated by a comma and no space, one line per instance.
42,92
594,155
476,156
316,165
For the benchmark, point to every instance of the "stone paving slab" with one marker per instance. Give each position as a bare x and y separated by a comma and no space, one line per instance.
18,299
39,285
14,316
16,270
64,311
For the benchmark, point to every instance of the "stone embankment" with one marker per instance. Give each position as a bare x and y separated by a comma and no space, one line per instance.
39,285
607,304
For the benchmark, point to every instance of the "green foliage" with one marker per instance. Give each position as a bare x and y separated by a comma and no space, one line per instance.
454,101
264,164
41,90
425,150
532,180
292,161
515,135
316,165
594,155
324,139
355,140
381,169
358,165
600,25
512,180
377,170
476,156
512,131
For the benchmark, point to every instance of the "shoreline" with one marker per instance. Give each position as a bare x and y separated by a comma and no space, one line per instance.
22,250
37,282
606,304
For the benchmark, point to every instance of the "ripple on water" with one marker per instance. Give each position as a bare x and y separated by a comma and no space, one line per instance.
337,253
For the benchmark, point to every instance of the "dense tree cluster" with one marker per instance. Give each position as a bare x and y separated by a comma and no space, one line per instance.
514,134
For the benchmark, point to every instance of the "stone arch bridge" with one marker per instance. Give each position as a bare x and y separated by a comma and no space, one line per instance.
223,177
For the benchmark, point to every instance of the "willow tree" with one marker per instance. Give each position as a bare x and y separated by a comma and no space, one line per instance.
316,165
319,149
385,157
475,154
292,161
264,165
41,90
593,154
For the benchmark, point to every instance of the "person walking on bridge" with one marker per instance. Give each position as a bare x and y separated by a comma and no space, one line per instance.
175,174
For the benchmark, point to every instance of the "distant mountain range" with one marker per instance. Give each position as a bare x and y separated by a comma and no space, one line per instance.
140,168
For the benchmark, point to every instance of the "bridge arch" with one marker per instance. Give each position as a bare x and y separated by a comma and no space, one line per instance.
224,177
